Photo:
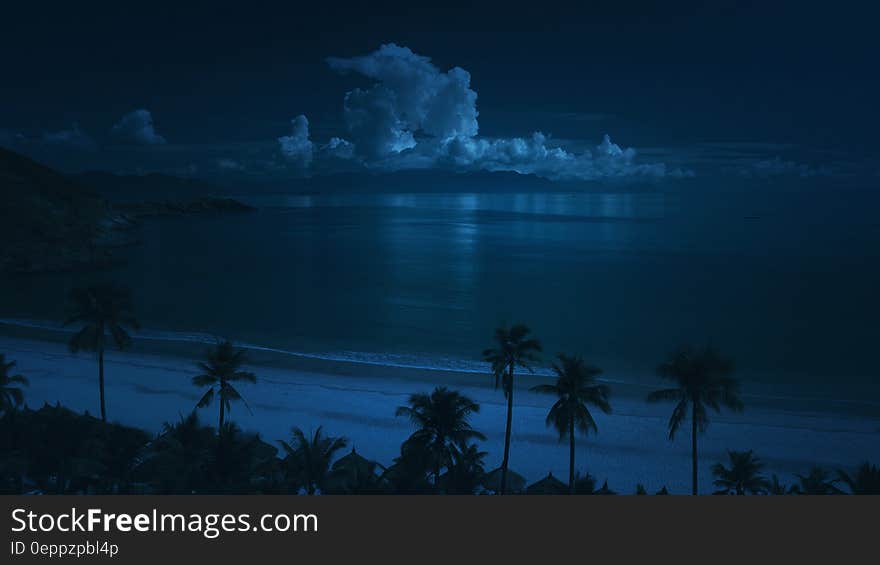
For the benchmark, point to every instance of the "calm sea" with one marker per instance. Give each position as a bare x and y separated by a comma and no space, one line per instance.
784,282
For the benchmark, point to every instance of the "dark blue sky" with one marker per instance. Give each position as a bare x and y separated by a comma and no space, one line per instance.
729,88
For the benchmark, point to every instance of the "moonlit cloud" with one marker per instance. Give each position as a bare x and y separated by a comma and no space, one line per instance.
416,115
411,96
137,128
296,147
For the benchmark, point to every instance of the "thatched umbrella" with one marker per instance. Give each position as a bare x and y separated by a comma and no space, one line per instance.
354,473
515,481
548,485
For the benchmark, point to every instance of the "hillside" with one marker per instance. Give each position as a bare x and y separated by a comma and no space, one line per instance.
150,187
47,221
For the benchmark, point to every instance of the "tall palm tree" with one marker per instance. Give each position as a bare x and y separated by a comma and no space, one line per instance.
101,309
702,379
743,475
11,397
576,389
221,369
443,427
514,348
310,457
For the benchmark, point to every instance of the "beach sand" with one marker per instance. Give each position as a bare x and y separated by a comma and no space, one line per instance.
151,385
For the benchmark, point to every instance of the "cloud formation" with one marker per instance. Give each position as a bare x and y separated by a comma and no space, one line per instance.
296,147
411,96
416,115
137,128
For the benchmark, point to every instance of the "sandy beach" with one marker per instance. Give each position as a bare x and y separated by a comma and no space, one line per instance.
152,385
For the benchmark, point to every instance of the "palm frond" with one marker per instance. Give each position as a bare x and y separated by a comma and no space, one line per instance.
206,398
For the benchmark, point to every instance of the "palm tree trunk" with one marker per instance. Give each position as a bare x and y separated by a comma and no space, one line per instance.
694,445
101,380
571,456
506,458
222,406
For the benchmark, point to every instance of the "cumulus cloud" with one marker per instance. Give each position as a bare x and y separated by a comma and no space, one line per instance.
73,137
296,147
137,128
416,115
535,155
338,148
411,96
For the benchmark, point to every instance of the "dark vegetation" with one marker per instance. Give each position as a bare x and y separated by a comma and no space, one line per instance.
54,450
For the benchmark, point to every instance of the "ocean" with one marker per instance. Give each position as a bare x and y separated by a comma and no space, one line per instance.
783,281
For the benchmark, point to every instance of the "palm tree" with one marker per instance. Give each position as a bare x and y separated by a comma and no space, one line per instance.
702,379
777,487
177,461
11,397
222,369
101,309
865,481
310,457
817,481
514,349
744,474
466,472
576,389
443,426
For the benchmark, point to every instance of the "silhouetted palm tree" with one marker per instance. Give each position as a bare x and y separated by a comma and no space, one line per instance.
467,472
310,457
222,369
513,349
777,487
744,474
11,397
702,379
866,480
442,422
410,472
576,389
817,481
177,461
101,309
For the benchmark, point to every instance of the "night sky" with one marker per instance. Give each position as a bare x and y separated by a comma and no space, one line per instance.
274,92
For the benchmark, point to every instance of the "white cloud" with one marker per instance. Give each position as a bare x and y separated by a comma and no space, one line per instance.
137,128
417,116
411,96
296,147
